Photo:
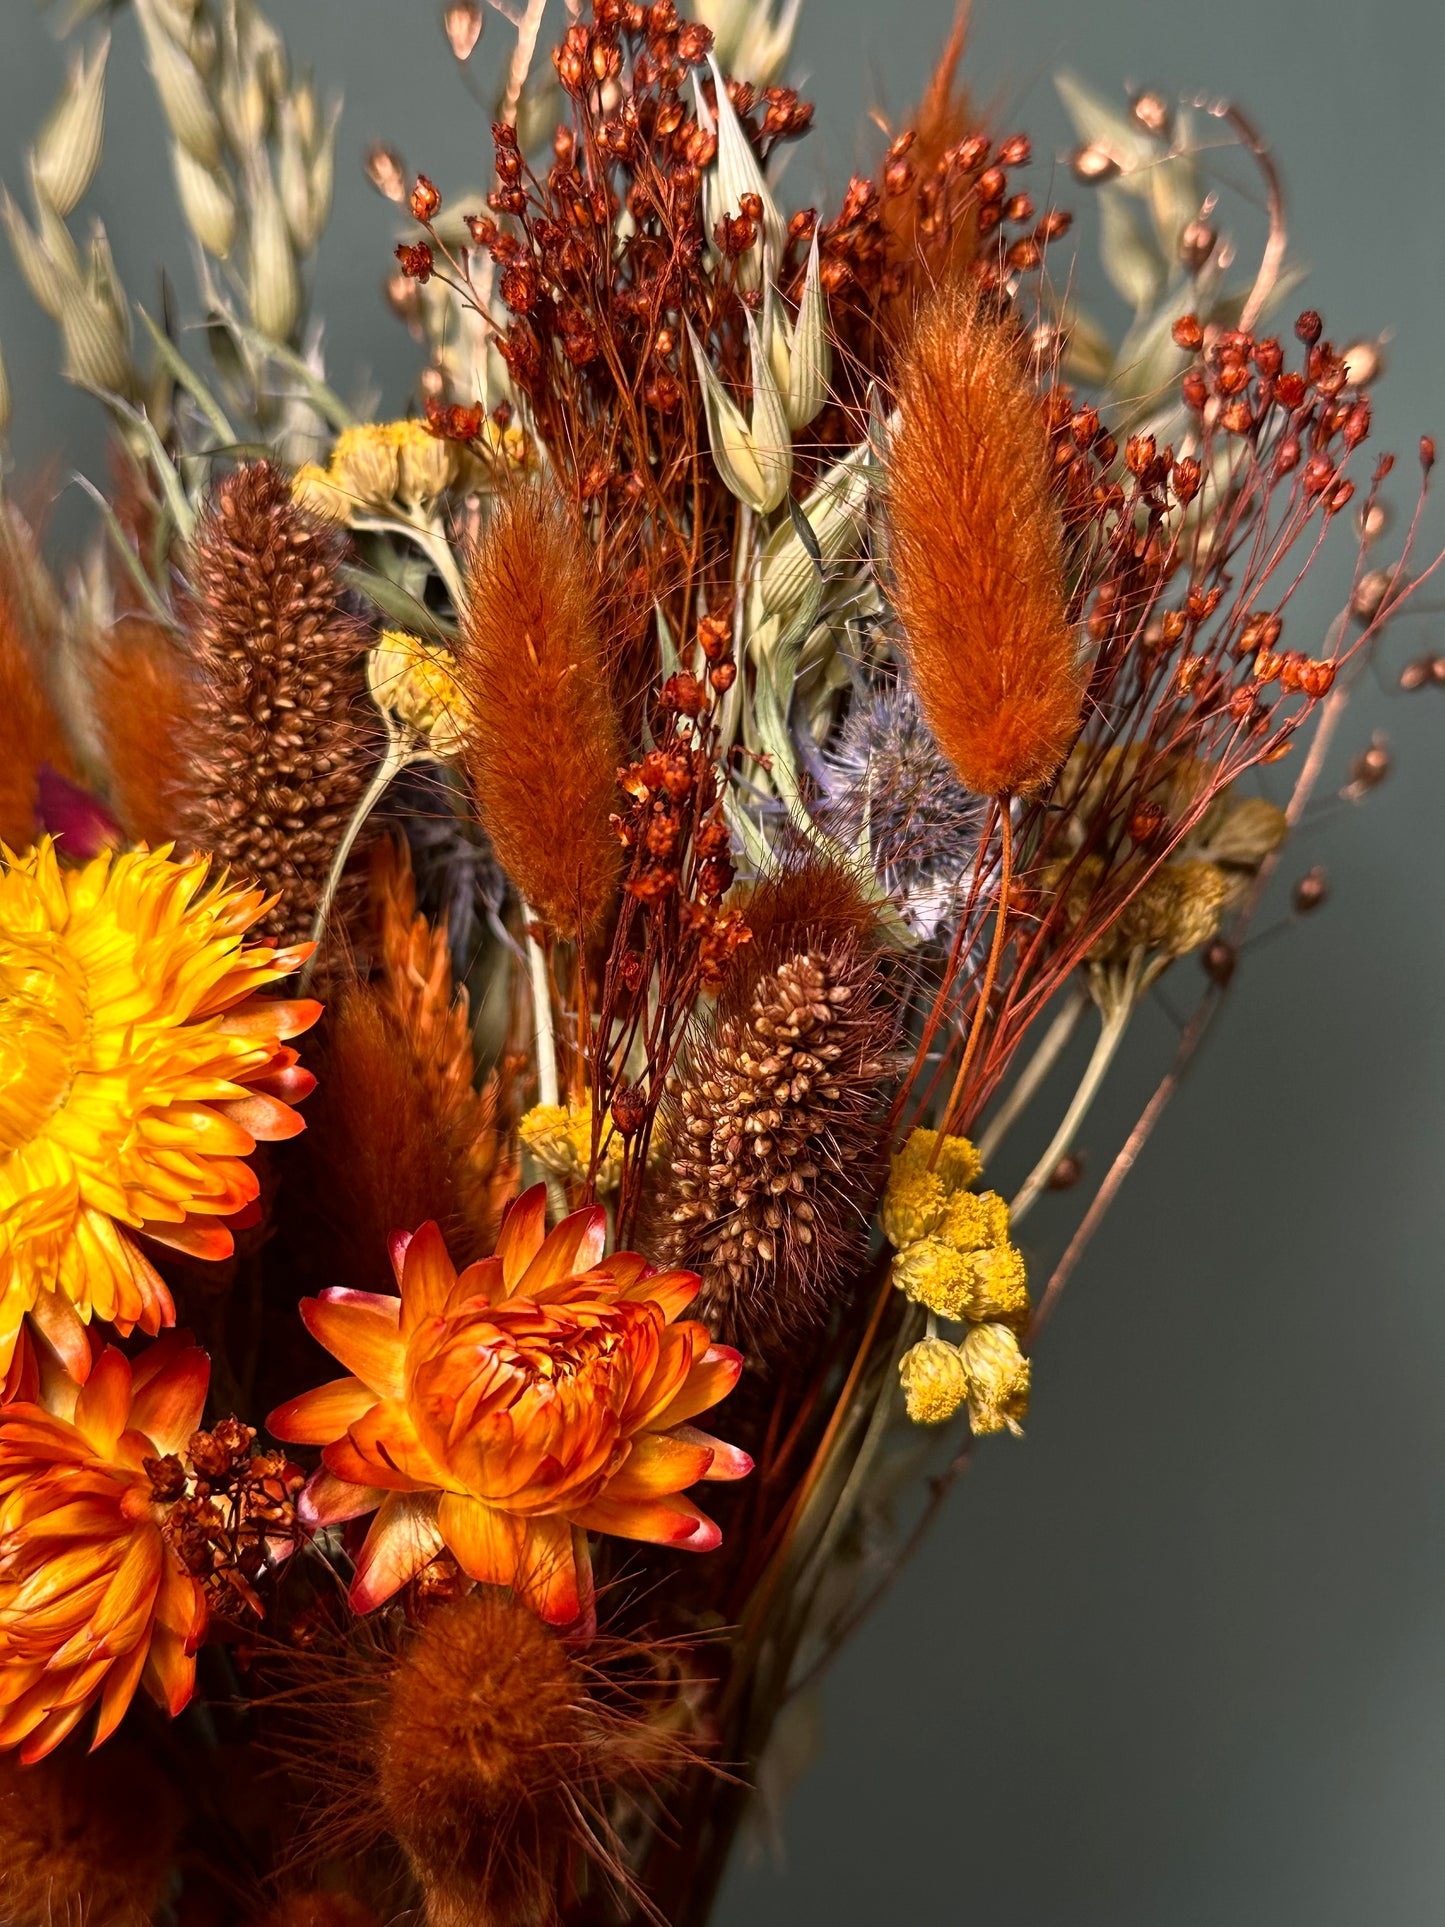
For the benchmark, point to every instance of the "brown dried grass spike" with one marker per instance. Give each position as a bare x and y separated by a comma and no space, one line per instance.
774,1140
976,548
543,747
280,736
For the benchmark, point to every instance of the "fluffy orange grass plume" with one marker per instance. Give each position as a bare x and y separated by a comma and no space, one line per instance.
143,699
32,734
946,242
320,1910
85,1839
399,1130
976,548
542,751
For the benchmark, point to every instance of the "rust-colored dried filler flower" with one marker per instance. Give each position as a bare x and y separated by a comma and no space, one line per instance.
731,752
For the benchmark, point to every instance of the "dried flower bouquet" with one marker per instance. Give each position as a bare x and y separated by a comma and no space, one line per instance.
686,786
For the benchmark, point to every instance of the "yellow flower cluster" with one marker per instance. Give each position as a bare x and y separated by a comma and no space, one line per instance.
955,1258
376,465
417,682
559,1136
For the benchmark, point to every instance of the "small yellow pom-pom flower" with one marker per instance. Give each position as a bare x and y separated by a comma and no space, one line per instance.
933,1274
998,1380
974,1221
559,1136
913,1204
957,1163
934,1381
999,1290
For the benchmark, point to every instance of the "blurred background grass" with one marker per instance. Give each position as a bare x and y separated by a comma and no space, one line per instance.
1180,1656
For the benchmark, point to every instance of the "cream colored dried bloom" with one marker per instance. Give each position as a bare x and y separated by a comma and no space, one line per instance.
934,1381
314,491
427,463
559,1136
366,464
417,682
998,1380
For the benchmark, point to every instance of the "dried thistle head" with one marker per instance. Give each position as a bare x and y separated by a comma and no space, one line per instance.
774,1138
888,777
279,737
976,550
542,741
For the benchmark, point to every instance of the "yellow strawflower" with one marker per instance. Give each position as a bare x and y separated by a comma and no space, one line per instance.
138,1069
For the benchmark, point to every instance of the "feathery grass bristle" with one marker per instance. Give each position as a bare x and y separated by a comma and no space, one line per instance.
396,1126
542,749
496,1752
976,550
279,736
143,696
320,1910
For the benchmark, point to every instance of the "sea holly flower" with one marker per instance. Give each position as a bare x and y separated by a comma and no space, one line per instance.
93,1599
138,1070
504,1412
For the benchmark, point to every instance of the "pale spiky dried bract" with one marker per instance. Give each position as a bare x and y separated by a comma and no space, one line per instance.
279,743
773,1140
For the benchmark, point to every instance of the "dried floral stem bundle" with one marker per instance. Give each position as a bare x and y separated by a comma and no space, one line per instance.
794,676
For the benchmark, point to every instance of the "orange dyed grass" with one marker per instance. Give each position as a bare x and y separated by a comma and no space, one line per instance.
543,745
977,554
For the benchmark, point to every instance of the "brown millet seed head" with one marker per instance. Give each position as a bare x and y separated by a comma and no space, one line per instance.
774,1139
279,738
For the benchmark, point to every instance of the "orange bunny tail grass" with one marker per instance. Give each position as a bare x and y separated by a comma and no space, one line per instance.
543,747
281,735
472,1738
976,549
143,696
926,242
32,734
320,1910
397,1132
497,1753
85,1839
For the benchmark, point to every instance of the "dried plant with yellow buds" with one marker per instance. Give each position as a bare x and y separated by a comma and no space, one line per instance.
737,748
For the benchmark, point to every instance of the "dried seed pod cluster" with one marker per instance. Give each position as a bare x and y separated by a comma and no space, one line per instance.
773,1144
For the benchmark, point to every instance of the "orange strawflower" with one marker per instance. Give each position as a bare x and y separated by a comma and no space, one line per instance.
138,1069
93,1601
506,1412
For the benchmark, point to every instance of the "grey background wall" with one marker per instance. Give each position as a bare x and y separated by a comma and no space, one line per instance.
1180,1656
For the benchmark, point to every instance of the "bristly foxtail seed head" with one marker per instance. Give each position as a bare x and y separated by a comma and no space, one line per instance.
774,1139
278,745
